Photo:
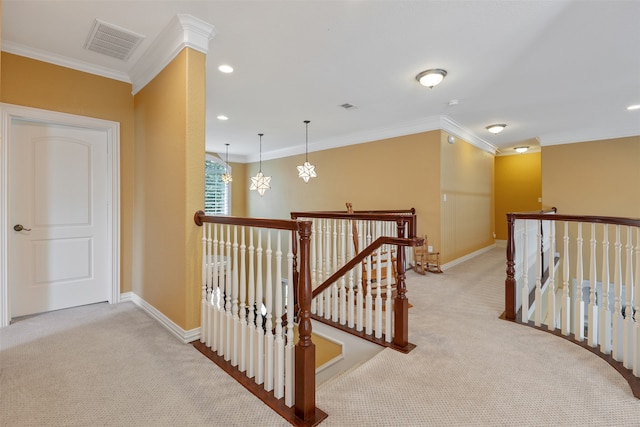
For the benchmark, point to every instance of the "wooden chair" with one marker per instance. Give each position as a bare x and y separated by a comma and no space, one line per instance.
424,260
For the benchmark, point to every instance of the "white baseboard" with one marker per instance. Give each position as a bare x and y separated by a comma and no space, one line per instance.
177,331
467,257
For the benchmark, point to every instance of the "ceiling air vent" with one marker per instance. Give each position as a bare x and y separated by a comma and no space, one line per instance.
112,41
348,106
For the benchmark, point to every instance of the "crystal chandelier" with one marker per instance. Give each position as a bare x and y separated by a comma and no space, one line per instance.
307,170
260,183
226,176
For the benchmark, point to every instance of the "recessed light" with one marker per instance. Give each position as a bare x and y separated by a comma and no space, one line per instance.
634,107
225,69
221,117
497,128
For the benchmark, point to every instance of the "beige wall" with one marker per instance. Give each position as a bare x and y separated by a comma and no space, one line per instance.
593,178
518,187
37,84
395,173
169,117
467,182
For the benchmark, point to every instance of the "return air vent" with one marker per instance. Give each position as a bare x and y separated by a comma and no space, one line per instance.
112,41
348,106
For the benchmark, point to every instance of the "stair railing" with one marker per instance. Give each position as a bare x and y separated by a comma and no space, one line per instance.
245,296
574,296
357,265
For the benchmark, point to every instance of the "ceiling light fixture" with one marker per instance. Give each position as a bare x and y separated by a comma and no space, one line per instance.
522,149
225,69
226,176
497,128
633,107
307,170
430,78
260,183
221,117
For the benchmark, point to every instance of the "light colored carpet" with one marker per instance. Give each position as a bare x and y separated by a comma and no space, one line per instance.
112,365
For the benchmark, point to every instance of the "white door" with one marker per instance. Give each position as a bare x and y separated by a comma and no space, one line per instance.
58,205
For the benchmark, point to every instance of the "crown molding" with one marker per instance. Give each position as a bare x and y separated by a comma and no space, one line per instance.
63,61
181,32
586,135
428,124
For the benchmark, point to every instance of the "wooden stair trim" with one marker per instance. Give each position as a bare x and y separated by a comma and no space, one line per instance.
267,397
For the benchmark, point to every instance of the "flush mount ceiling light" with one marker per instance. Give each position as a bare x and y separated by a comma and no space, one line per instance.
260,183
225,69
307,170
221,117
633,107
497,128
430,78
226,176
521,149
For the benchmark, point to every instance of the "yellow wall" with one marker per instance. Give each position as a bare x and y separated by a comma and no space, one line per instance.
467,175
170,154
518,187
593,178
37,84
395,173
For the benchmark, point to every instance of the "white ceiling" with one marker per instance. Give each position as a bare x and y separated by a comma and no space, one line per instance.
553,71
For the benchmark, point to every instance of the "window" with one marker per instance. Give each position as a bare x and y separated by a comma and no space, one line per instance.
217,194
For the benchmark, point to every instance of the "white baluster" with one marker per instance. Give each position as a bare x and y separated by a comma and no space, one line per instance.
252,310
289,351
334,287
203,303
222,314
378,303
538,290
593,306
211,281
618,320
579,303
243,303
525,274
235,330
351,321
279,344
627,354
215,300
636,320
566,299
228,286
551,293
320,240
268,333
368,299
259,362
327,269
359,283
605,311
343,280
312,264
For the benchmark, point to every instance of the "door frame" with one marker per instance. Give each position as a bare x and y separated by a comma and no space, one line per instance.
10,112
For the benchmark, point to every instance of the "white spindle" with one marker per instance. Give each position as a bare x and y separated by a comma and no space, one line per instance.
605,311
211,284
252,310
378,304
538,291
359,281
525,274
312,264
289,353
228,286
636,320
279,344
566,298
268,333
216,300
351,321
259,361
579,303
243,303
551,292
618,320
222,314
235,337
368,298
343,279
593,306
628,311
320,241
334,287
203,303
388,302
327,269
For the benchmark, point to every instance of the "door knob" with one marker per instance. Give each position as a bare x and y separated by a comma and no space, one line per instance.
19,227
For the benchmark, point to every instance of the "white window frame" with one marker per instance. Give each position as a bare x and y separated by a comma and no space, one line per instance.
227,187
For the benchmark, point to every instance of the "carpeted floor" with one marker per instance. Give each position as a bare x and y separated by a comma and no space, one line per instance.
112,365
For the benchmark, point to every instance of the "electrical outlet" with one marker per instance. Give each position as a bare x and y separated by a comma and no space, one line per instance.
430,248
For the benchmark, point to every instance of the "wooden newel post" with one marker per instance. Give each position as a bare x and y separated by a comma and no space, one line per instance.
305,353
401,311
510,281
